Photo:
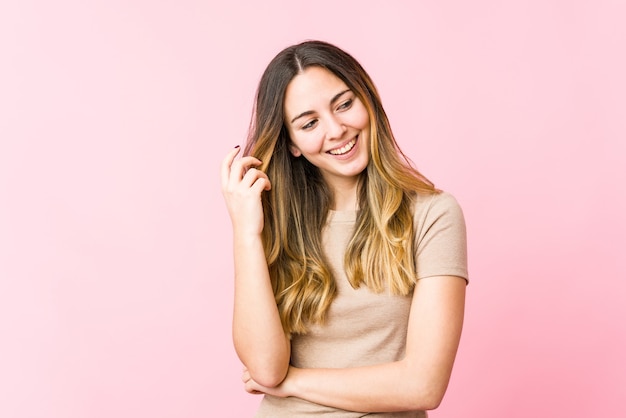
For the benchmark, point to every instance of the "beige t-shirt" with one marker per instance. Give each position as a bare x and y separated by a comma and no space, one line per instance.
365,328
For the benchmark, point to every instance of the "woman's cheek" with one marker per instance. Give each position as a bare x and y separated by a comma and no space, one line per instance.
311,143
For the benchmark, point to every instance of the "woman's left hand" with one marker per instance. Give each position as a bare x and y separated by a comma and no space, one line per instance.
281,391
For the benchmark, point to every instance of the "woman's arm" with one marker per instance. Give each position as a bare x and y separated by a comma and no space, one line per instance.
418,382
258,335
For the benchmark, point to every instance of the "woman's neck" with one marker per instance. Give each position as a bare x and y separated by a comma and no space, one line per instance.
345,199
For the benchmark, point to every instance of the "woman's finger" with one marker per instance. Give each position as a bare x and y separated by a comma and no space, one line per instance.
251,387
240,167
261,184
254,176
245,377
226,165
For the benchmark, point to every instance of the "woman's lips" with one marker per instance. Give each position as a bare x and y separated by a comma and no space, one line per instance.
344,149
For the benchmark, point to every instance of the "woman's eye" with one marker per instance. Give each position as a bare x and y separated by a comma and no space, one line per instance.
310,124
345,105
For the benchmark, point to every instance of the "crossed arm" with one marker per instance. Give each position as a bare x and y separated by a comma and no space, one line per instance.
417,382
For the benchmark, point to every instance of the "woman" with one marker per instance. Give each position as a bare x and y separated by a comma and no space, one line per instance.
350,267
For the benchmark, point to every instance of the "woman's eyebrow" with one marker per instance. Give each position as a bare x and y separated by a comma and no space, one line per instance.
309,112
338,95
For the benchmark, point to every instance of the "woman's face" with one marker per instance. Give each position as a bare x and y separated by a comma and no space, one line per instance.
328,125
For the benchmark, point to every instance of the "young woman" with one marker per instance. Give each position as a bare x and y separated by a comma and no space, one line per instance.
350,267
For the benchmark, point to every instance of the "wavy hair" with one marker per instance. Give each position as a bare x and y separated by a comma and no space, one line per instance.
380,254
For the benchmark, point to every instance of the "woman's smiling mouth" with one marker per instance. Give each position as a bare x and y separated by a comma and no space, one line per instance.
346,148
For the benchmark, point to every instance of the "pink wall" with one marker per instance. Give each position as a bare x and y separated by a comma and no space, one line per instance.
115,273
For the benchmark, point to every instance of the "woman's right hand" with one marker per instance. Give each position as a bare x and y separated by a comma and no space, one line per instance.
242,185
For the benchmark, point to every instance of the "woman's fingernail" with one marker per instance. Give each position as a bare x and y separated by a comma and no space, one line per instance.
237,146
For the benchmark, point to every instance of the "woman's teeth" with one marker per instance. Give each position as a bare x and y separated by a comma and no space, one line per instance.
344,149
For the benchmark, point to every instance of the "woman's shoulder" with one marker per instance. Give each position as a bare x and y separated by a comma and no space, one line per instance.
436,204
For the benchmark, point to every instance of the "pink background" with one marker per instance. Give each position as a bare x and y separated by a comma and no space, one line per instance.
115,248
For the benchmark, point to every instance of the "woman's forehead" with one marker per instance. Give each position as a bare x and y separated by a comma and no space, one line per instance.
315,86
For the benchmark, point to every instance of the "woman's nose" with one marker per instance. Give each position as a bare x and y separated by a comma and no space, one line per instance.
335,128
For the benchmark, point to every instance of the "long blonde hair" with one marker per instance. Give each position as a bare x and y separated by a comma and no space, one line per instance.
380,254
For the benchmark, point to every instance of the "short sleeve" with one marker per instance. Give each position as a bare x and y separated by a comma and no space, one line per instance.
440,237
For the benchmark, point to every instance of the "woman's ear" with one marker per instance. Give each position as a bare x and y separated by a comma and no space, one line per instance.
294,150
